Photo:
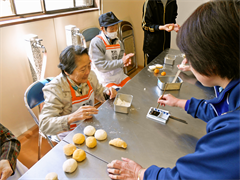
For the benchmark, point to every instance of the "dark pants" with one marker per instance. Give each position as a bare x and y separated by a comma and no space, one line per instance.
148,58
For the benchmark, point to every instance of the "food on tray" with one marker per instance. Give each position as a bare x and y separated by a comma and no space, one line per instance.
51,176
152,67
156,71
70,165
91,142
163,73
89,130
69,149
78,138
79,155
100,134
122,103
159,66
118,143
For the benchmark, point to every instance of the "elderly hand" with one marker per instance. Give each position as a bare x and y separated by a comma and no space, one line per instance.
125,169
127,59
112,92
84,112
170,100
5,169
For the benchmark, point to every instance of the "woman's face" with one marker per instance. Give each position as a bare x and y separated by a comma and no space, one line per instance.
81,72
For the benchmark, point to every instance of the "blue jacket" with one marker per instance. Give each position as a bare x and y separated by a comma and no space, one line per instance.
217,154
227,100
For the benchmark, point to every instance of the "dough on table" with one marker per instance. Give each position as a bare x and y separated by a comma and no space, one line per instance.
78,138
69,149
159,66
89,130
51,176
91,142
118,143
100,134
79,155
69,165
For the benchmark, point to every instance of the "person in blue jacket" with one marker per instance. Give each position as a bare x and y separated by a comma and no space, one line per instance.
210,40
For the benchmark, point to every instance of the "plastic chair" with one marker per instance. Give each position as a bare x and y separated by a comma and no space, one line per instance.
34,97
89,34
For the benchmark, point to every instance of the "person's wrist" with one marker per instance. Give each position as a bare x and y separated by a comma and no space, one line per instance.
140,172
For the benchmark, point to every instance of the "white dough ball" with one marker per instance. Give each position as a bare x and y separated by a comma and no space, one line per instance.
100,134
70,165
89,130
51,176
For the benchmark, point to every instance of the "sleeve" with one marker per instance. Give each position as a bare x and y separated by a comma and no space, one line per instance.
99,90
147,19
200,108
216,155
97,52
52,121
10,147
175,13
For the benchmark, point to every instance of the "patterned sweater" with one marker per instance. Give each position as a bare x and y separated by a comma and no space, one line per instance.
9,146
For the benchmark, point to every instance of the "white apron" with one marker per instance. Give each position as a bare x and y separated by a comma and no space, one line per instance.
114,78
77,102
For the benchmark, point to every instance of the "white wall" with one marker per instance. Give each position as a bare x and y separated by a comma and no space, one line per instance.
15,75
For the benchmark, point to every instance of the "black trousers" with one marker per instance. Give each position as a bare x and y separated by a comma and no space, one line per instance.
148,58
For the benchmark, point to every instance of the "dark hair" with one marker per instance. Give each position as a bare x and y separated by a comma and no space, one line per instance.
67,58
210,39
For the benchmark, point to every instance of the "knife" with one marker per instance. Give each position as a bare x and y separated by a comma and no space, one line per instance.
178,119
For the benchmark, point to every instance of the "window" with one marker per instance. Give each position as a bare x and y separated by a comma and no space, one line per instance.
27,6
20,8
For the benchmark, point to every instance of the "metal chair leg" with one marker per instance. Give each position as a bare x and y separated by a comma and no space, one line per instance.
39,145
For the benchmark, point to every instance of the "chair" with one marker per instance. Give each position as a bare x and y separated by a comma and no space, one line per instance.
126,35
89,34
34,97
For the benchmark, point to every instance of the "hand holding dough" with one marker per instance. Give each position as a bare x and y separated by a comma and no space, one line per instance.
78,138
70,165
69,149
51,176
89,130
118,143
100,134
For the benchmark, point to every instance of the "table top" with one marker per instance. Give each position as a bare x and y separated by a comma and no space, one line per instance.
149,142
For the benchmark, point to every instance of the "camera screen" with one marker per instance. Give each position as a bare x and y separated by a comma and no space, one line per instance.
155,113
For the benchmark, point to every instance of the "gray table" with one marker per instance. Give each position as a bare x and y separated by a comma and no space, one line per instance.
149,142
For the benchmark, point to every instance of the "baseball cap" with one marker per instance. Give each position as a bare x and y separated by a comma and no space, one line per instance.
108,19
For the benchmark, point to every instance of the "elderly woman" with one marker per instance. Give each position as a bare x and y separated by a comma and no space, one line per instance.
69,97
210,40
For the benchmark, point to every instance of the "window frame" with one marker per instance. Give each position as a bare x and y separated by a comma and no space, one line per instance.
29,17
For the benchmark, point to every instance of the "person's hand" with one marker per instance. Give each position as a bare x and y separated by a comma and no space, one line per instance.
127,59
176,27
167,27
84,112
111,92
170,100
125,169
5,169
183,66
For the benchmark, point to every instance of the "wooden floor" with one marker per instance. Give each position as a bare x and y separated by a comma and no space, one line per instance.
29,142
